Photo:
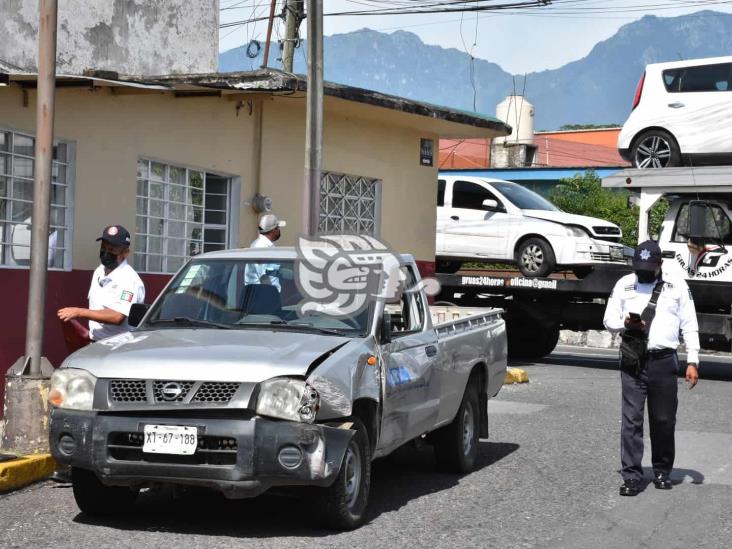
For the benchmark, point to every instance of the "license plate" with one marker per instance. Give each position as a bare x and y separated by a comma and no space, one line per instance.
616,253
170,439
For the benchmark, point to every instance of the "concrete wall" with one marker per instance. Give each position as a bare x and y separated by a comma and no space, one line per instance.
111,130
127,36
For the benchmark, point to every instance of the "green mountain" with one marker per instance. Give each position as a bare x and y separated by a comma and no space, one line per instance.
596,89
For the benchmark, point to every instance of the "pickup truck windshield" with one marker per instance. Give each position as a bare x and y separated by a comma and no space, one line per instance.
523,198
244,294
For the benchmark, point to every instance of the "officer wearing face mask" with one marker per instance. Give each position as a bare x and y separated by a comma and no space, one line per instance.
653,375
115,286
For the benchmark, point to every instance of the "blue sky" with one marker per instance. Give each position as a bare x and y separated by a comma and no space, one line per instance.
530,40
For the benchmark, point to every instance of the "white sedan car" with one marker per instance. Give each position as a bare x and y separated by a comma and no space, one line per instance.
491,220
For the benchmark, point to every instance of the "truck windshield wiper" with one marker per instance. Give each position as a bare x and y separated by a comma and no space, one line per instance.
330,331
185,321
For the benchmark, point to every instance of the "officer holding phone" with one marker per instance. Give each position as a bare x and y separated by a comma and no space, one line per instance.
631,309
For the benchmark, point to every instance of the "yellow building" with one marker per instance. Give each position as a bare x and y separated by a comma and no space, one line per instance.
179,161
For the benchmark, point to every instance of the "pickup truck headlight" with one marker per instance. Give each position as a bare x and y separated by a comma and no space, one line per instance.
291,399
72,388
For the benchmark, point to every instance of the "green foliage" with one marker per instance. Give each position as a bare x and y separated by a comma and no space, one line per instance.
656,216
583,194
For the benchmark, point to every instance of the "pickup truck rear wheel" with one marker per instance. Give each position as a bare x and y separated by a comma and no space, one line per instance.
96,499
343,503
535,258
456,445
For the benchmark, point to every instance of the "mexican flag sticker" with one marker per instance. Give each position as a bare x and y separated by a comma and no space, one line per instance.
126,296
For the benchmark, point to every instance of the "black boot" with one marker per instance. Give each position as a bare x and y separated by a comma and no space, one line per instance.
662,482
630,488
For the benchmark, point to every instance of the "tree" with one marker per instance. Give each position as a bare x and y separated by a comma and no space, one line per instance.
583,194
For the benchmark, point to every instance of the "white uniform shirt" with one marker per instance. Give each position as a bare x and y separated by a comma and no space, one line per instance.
117,290
255,271
675,312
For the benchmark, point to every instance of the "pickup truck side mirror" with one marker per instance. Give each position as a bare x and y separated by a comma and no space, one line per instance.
385,331
492,205
137,311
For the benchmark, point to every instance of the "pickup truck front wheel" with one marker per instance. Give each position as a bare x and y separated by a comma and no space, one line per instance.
456,445
96,499
343,503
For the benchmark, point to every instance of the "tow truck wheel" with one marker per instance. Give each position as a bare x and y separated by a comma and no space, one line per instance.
343,503
456,444
96,499
535,258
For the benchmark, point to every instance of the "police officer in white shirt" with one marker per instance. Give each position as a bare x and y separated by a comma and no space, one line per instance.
115,286
656,376
269,233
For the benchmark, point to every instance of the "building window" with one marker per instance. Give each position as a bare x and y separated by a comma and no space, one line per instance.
16,201
349,204
181,212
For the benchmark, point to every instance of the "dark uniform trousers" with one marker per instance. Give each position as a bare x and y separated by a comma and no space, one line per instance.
657,382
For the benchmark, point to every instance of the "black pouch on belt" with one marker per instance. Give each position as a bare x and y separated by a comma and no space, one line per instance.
634,343
633,348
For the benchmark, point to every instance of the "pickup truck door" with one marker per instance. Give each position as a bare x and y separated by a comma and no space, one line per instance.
472,227
709,261
411,391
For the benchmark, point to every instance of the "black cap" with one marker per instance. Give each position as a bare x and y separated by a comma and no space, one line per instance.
647,256
116,235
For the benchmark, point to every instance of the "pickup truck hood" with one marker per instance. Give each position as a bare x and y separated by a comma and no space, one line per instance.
245,355
569,219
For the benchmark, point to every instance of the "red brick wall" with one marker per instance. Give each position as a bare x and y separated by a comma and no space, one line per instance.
64,289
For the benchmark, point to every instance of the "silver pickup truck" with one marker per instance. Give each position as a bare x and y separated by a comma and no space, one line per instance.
226,383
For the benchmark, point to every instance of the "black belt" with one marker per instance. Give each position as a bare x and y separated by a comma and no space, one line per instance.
660,353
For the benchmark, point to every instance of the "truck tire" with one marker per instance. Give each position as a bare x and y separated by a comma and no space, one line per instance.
531,342
456,444
343,503
535,258
95,499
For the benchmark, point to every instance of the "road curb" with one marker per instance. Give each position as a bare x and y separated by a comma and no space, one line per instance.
25,470
515,375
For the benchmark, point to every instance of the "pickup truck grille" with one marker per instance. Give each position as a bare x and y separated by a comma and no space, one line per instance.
597,256
137,391
606,230
615,239
211,450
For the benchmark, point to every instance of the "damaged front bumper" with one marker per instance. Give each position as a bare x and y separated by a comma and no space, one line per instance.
241,457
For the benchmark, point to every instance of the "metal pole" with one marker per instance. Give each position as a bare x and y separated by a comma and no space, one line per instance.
314,122
45,103
292,22
269,34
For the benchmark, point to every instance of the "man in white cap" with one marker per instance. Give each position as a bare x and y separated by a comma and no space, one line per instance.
269,233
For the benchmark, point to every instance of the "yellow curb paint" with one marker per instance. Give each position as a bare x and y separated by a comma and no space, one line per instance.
25,470
515,375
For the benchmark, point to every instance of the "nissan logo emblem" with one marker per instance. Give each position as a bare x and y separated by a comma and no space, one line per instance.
171,391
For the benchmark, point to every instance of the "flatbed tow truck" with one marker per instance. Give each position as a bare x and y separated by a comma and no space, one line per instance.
538,308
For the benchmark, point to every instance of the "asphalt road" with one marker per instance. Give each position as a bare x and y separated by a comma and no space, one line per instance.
547,477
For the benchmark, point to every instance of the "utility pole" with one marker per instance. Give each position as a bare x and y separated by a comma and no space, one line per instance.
293,17
267,42
25,422
314,121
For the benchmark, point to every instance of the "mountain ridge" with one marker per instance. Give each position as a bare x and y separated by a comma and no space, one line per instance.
595,89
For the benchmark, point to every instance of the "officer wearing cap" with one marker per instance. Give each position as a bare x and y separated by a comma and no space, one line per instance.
269,233
115,286
656,373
